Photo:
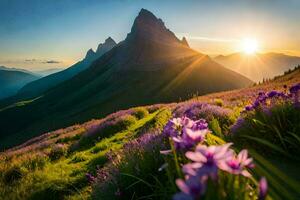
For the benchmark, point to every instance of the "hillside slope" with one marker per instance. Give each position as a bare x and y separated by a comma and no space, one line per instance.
150,66
75,162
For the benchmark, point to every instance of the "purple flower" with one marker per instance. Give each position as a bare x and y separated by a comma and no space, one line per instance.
90,177
210,154
194,135
181,143
238,164
189,138
295,88
187,122
201,124
272,93
195,110
248,108
191,188
186,132
207,159
263,188
238,124
170,130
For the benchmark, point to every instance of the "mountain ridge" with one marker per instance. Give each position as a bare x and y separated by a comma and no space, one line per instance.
38,87
259,66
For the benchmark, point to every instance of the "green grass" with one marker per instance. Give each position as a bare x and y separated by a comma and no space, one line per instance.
65,178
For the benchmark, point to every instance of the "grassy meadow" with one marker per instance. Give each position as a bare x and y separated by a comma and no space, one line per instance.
241,144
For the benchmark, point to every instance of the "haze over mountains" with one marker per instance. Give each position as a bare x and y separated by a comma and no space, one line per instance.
11,80
47,72
259,66
150,66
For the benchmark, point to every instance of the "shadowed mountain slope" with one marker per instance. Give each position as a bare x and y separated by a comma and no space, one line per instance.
150,66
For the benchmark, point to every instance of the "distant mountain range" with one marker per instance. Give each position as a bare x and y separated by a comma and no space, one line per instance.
47,72
40,73
40,86
12,80
259,66
150,66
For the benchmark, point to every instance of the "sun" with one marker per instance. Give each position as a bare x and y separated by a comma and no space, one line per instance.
250,45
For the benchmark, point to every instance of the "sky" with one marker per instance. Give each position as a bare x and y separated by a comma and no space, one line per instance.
38,35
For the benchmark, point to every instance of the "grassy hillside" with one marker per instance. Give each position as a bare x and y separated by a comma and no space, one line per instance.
119,157
110,91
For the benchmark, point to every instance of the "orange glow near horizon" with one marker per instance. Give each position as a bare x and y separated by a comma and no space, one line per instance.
250,46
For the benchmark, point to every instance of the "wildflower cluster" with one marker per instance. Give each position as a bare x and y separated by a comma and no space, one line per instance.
270,98
276,115
206,161
186,132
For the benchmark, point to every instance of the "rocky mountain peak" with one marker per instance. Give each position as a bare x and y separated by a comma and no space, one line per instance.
147,26
106,46
184,42
90,54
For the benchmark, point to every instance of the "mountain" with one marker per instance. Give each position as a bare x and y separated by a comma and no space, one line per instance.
259,66
18,70
11,81
40,86
150,66
47,72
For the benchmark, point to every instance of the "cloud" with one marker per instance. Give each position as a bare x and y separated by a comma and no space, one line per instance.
52,62
33,60
212,39
30,60
208,39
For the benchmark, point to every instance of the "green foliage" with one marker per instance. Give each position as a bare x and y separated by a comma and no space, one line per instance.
79,158
69,139
215,127
158,122
137,177
140,112
104,130
37,176
271,130
218,102
120,125
13,174
35,162
57,151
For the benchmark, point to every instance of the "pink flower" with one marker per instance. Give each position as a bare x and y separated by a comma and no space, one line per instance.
263,188
207,160
195,135
211,155
238,164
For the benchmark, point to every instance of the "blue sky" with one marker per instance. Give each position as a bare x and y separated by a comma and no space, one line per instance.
37,34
